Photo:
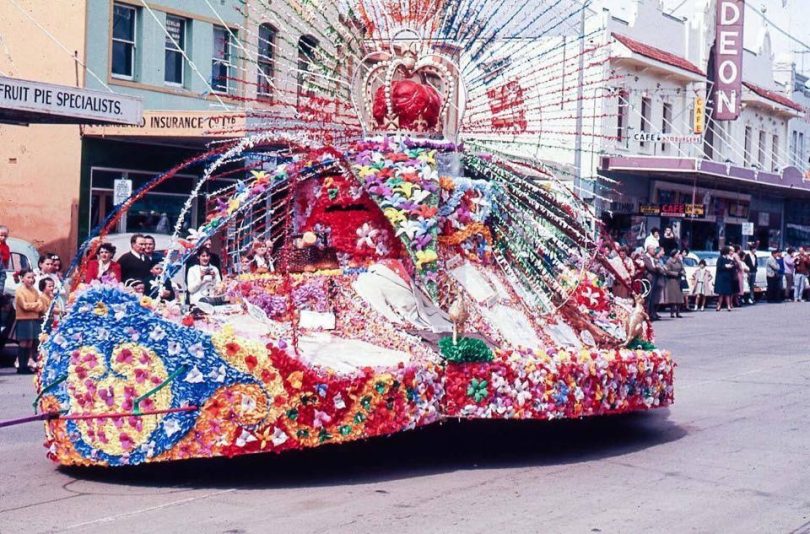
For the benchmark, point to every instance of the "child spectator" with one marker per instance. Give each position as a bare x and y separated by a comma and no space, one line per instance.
261,262
46,294
701,285
29,308
166,292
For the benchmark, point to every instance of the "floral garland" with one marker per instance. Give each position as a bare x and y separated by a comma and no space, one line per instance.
405,184
556,384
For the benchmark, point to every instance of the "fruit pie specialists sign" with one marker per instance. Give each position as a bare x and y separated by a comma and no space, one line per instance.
59,100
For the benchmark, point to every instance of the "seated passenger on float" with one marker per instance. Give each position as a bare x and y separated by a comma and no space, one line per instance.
260,260
203,278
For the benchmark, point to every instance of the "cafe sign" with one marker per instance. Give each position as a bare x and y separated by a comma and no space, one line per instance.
656,137
672,210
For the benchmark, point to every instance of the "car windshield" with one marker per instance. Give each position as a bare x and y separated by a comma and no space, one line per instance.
709,255
690,262
762,261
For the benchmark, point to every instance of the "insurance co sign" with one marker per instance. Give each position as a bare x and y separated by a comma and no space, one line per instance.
728,51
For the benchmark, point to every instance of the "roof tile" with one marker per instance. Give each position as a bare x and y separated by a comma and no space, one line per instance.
774,96
657,54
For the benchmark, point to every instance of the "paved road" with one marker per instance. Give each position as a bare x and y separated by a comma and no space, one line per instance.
732,455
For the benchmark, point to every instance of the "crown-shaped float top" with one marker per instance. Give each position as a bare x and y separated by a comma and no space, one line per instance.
409,88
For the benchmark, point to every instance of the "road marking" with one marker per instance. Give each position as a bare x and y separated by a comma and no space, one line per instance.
115,517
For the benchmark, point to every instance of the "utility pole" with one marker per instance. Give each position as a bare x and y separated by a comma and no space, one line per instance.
580,93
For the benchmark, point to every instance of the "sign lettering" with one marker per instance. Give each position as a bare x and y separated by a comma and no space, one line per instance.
508,107
178,124
655,137
673,210
37,97
694,210
700,115
728,59
649,209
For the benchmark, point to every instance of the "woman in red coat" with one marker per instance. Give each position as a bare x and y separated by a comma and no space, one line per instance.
103,268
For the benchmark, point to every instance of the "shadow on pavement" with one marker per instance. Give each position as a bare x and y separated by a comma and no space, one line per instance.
451,446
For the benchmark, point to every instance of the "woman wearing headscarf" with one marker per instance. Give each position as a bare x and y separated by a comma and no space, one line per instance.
674,293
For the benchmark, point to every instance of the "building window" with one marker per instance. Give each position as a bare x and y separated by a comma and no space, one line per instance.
775,153
266,58
748,141
307,45
621,117
666,123
802,162
123,41
761,149
175,46
646,108
220,59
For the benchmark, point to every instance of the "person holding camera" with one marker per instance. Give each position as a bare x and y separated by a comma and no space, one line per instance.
203,278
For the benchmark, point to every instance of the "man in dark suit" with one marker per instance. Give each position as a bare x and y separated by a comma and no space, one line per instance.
149,250
134,264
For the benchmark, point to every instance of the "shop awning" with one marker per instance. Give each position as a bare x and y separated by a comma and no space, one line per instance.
26,102
789,180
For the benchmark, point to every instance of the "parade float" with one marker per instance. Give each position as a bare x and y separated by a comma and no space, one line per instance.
413,277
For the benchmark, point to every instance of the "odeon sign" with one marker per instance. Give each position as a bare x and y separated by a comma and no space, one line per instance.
728,49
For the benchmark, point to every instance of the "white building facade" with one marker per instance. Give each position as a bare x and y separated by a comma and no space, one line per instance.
661,160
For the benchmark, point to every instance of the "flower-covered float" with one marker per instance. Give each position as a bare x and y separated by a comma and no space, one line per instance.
409,280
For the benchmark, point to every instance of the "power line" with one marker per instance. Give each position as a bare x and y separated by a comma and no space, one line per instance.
59,43
777,28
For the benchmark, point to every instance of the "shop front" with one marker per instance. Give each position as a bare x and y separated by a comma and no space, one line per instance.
117,160
707,207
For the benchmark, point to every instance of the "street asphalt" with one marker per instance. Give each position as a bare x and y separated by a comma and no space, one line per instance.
732,455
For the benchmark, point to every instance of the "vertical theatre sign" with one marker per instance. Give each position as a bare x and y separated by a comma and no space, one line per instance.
728,50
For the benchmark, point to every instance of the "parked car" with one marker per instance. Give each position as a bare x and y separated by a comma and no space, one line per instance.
709,255
690,265
761,283
23,256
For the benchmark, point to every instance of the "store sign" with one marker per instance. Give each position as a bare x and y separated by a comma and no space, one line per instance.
673,210
738,210
728,50
179,124
656,137
747,228
622,207
649,209
694,210
699,116
62,101
122,190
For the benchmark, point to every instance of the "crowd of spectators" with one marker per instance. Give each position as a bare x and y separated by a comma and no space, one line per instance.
658,271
